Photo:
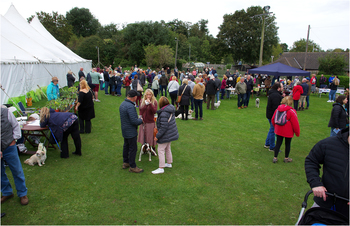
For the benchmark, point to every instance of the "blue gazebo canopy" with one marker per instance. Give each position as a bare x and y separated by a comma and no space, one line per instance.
279,69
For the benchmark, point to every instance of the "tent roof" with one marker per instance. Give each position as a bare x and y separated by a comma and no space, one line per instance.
279,69
23,42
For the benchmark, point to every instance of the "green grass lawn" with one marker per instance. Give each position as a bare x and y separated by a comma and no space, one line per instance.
221,174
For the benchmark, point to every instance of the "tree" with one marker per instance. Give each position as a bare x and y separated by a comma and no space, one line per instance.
107,31
284,47
332,63
56,24
83,22
88,48
159,56
240,34
300,46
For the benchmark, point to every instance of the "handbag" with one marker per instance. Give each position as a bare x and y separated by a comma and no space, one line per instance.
179,97
139,87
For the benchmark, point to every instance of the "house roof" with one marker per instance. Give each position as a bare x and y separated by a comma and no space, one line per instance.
296,59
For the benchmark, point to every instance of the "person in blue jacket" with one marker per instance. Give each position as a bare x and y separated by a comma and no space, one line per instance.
53,91
62,124
129,123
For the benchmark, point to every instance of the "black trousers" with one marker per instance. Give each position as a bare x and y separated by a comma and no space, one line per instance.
173,96
184,111
295,104
129,151
287,142
74,131
85,126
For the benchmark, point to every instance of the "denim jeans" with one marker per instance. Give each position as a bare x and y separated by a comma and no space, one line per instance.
198,104
247,97
333,134
113,88
270,139
161,90
222,94
106,87
101,85
332,95
307,101
217,95
10,155
119,89
241,99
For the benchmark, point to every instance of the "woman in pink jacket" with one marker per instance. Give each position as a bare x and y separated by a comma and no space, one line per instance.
287,130
223,87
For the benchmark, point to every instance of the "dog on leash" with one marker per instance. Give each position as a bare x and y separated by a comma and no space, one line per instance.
39,157
146,148
189,116
257,102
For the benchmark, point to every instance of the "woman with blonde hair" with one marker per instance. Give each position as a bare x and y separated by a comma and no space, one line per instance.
287,129
167,132
173,87
85,107
147,109
61,125
333,86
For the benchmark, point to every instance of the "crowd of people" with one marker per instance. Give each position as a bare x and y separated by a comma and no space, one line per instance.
155,122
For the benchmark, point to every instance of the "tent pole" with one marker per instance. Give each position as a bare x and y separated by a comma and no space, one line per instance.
70,69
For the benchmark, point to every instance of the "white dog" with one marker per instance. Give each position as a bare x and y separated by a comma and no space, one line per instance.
217,104
146,148
257,102
39,157
189,115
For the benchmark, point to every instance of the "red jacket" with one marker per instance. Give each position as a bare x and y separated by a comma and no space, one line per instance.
292,125
223,84
127,81
297,91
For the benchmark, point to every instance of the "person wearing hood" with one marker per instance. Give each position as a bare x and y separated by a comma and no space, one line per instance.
339,116
53,91
287,130
163,84
333,154
198,92
167,132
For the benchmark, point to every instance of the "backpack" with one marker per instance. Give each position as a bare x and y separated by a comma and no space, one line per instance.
281,118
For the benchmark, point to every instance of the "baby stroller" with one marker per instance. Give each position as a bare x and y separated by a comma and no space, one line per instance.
320,215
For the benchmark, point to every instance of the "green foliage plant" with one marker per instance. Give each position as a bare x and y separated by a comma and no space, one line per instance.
333,63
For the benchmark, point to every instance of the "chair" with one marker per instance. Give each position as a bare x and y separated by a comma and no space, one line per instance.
25,111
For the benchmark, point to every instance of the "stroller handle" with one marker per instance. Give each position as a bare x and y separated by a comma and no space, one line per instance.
304,204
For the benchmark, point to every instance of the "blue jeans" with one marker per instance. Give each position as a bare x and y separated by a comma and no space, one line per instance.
161,90
228,92
112,88
192,100
308,101
332,95
106,87
119,89
333,134
217,95
198,104
222,93
10,155
270,139
241,99
247,96
101,85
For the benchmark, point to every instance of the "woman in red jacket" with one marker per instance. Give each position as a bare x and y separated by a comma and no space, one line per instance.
287,130
297,91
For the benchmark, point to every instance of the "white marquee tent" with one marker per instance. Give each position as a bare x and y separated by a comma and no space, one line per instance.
31,56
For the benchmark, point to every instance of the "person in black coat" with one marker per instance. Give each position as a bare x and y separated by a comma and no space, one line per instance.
81,73
185,99
70,79
85,107
211,91
333,154
339,117
273,101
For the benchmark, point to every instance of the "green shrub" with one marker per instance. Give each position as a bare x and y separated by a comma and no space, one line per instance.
228,66
344,80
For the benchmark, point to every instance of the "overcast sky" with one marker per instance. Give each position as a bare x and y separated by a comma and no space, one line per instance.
329,19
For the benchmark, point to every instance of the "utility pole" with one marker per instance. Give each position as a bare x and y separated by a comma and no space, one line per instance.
266,12
189,53
307,44
177,41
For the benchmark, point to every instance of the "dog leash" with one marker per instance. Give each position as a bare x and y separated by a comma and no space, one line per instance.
55,138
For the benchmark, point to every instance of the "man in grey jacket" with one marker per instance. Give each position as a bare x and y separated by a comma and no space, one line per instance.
129,123
10,132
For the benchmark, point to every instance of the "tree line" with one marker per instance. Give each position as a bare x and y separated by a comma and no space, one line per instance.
153,44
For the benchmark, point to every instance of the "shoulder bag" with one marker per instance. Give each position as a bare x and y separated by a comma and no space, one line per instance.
139,87
179,97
